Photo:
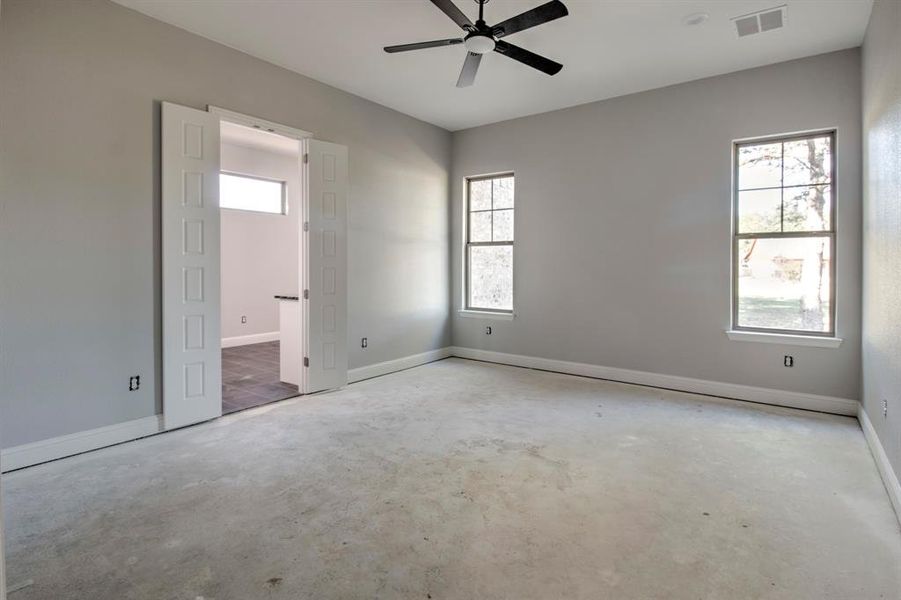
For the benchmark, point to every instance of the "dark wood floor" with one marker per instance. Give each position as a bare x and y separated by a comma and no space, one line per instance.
250,377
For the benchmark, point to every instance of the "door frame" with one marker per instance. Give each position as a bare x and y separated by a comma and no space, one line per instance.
250,121
230,116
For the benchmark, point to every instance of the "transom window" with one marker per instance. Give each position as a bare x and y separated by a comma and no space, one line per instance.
242,192
489,243
784,240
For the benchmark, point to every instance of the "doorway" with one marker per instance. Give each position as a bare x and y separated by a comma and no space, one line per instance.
260,268
312,327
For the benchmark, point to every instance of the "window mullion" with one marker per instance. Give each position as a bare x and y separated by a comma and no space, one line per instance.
492,210
782,190
779,235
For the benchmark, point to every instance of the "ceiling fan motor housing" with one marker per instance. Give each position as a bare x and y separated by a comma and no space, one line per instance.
479,43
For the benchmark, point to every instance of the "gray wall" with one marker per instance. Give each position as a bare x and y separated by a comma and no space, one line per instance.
259,250
623,210
79,206
882,225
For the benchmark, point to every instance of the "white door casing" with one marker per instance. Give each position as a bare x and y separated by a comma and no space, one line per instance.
325,275
192,363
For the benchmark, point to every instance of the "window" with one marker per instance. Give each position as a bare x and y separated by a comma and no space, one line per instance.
251,193
489,243
784,241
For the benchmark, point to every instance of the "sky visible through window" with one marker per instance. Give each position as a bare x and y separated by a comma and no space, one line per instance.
250,193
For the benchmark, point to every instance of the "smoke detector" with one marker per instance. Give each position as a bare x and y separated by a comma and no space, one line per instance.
760,21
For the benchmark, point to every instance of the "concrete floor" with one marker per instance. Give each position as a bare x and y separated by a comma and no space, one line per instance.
467,480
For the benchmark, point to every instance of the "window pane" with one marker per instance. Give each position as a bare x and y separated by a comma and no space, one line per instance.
480,195
760,211
247,193
808,161
503,192
807,208
759,166
503,226
491,277
480,226
784,283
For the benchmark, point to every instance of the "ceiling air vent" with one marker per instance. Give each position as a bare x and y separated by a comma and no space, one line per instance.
764,20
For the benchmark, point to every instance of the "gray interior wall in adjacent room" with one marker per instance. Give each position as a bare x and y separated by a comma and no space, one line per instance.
882,225
623,226
259,250
79,206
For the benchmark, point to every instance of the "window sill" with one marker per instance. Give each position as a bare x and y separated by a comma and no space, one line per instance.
784,338
484,314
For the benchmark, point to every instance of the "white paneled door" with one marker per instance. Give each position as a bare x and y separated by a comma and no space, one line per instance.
192,363
325,314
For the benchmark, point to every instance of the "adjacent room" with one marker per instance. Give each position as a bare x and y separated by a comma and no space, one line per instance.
450,299
259,189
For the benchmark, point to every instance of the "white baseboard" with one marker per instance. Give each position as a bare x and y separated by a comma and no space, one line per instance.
253,338
828,404
35,453
398,364
889,478
76,443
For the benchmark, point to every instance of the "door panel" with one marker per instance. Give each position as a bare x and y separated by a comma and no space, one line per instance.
325,275
192,364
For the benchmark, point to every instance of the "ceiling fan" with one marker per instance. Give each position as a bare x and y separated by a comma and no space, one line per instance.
480,38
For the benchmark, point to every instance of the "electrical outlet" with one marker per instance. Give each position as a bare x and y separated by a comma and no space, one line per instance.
488,330
134,383
885,408
788,361
364,343
243,318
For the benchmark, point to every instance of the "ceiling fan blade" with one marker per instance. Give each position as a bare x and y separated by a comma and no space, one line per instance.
545,65
470,68
451,10
421,45
542,14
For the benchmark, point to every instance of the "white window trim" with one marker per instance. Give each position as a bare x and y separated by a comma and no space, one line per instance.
486,314
790,337
474,312
784,339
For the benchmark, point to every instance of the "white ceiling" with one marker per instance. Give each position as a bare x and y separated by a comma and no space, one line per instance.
608,47
248,137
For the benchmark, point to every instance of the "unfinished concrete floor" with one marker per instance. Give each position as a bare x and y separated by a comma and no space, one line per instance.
460,480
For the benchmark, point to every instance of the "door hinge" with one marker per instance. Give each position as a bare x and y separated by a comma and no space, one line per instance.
306,225
306,157
306,294
306,361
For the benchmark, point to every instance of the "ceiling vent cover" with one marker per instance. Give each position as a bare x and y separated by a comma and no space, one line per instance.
764,20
